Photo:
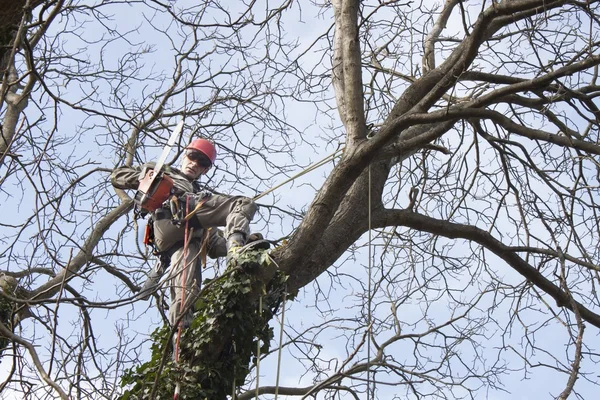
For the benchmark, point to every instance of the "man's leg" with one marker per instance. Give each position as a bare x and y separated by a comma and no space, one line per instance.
233,213
150,286
185,285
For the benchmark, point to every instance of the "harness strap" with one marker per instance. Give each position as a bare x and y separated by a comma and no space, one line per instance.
198,206
204,247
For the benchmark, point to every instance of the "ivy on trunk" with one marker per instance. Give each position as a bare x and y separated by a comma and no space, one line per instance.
219,347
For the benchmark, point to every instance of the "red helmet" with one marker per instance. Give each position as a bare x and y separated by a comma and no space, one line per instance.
205,147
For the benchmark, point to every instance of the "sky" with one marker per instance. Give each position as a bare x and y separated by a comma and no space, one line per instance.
318,127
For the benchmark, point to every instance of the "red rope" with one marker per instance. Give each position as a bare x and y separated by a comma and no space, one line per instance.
183,289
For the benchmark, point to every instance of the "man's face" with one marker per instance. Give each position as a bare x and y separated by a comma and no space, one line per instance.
194,164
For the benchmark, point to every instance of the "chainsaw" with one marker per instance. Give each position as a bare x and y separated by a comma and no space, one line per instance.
155,186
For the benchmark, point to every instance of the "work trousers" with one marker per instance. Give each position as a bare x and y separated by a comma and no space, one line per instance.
185,282
233,213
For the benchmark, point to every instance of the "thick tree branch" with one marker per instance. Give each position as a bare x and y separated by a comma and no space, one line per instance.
536,134
459,231
13,38
337,62
282,390
347,71
418,97
434,34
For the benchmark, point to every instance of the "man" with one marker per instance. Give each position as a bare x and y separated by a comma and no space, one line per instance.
214,210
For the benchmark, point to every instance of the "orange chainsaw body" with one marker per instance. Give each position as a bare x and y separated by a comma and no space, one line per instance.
153,190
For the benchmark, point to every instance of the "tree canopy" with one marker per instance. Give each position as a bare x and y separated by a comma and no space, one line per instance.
447,247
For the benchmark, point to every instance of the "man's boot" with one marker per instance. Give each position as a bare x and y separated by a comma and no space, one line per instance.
235,242
150,286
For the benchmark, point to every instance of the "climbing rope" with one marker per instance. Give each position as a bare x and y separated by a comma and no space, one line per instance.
188,214
308,169
280,344
233,394
369,310
258,349
186,242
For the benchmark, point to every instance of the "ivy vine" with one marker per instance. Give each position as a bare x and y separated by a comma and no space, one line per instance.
6,313
222,315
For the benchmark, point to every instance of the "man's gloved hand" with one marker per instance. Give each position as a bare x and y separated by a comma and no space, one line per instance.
262,243
253,237
236,241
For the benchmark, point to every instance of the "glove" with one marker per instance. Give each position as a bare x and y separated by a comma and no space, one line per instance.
257,242
253,237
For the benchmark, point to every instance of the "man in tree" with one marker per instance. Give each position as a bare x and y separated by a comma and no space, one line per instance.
210,211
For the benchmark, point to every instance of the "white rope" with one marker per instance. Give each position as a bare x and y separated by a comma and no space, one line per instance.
233,395
280,345
258,349
308,169
369,311
185,264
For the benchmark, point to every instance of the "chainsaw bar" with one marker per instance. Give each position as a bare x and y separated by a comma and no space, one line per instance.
168,146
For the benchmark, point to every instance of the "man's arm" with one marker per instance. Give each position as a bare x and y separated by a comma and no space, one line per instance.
126,177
